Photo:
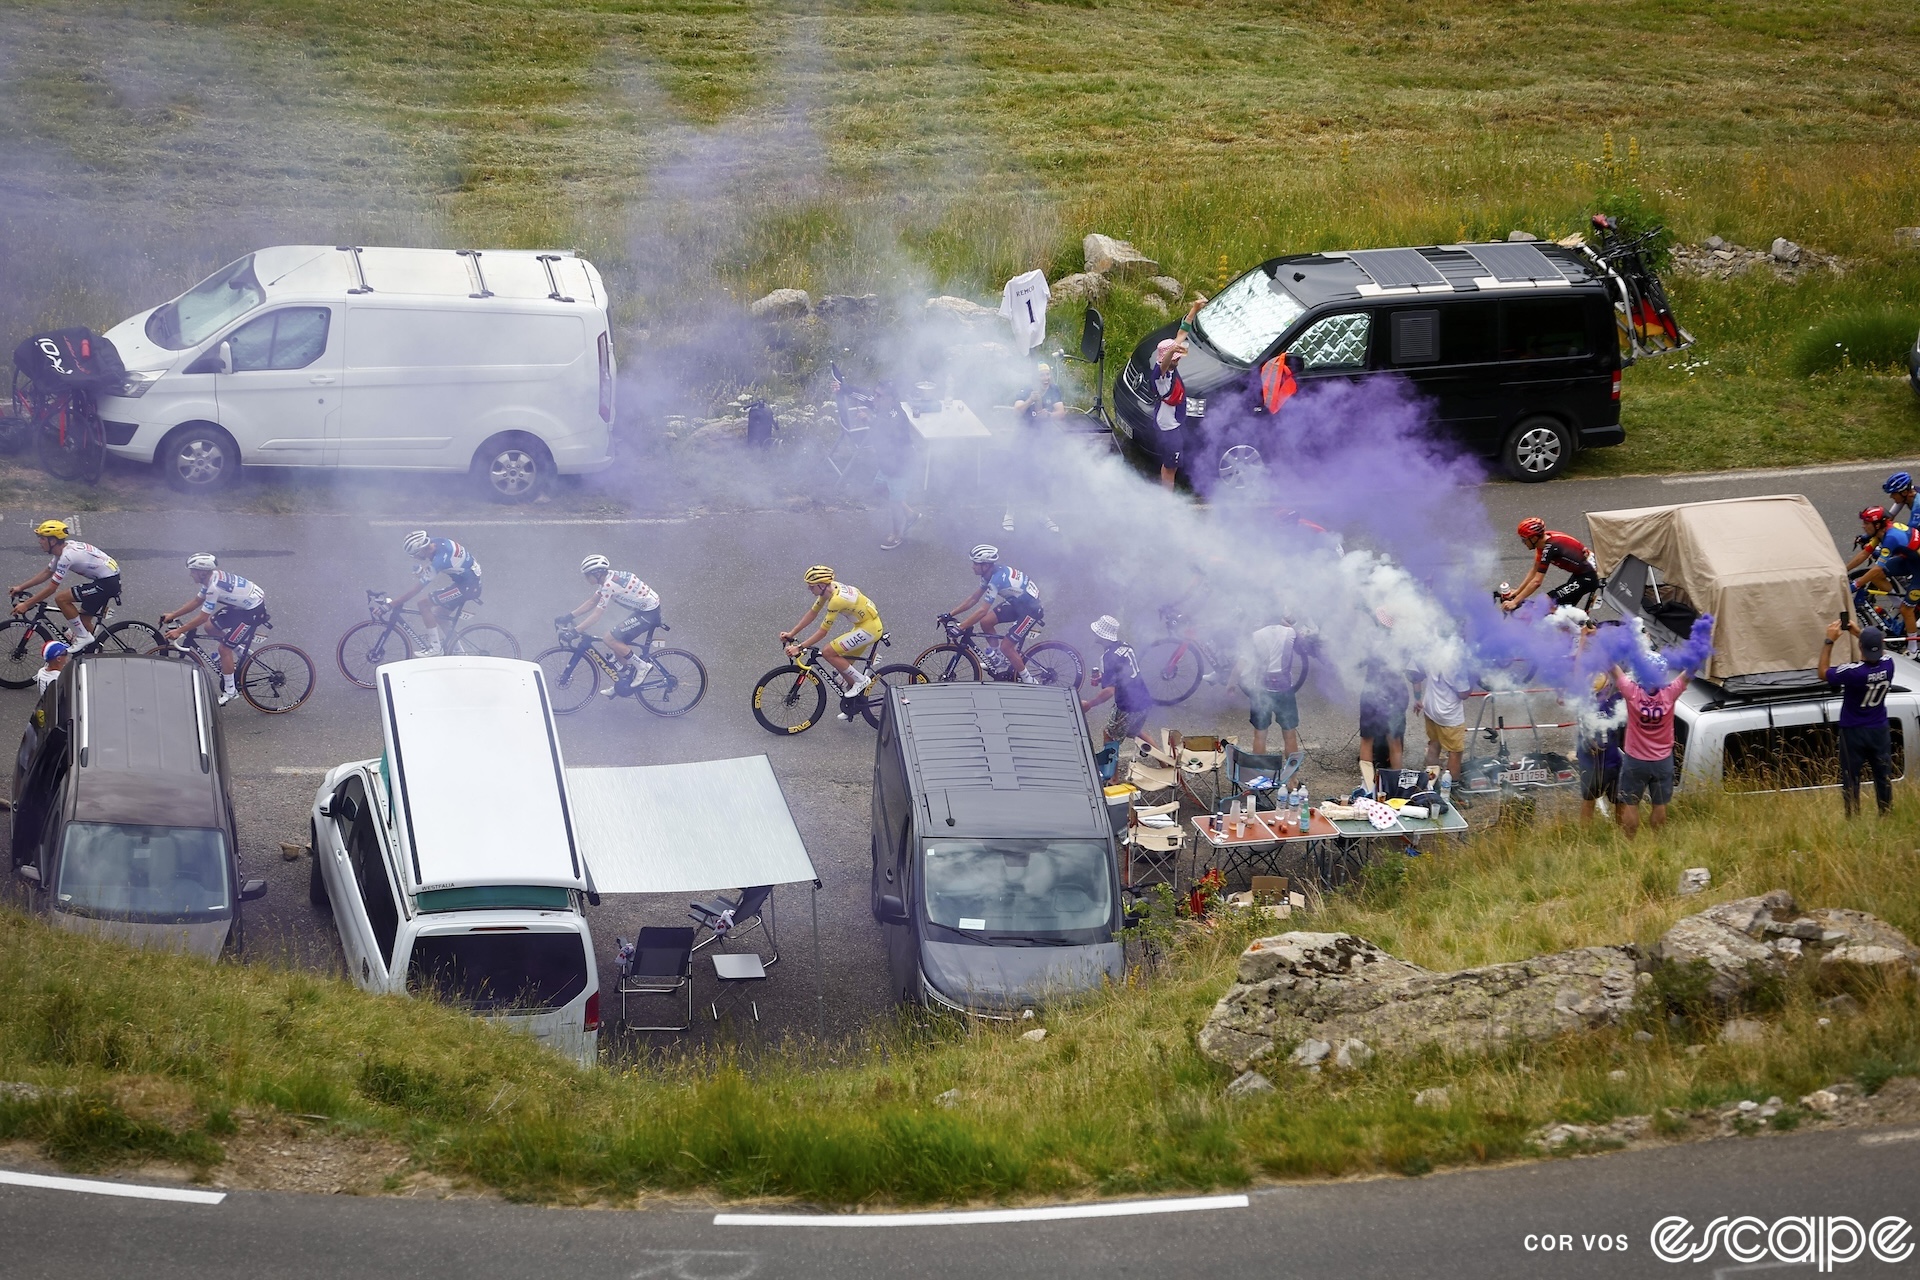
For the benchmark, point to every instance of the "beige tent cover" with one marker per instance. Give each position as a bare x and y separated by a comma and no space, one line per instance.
1765,568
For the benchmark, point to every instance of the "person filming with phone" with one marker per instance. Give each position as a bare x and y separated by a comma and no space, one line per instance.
1865,741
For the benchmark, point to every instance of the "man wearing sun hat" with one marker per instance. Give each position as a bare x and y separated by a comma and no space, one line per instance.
1117,676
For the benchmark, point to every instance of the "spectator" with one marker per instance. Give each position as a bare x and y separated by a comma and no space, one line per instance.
1040,401
1266,676
1864,737
1118,677
1383,711
1171,414
56,653
1598,750
892,453
1442,707
1646,761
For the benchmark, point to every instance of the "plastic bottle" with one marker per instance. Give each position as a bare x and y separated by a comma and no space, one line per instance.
1446,791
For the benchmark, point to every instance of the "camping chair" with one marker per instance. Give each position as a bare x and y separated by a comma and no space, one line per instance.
1157,847
660,964
1241,768
855,410
731,917
1199,760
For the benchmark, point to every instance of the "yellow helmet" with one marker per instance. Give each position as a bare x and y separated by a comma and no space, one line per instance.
818,574
51,529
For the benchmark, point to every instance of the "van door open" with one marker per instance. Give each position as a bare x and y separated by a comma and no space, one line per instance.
277,381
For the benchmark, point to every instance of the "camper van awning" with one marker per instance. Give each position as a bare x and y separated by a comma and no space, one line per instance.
686,828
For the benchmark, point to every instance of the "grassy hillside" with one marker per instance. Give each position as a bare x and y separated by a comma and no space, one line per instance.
167,1058
699,150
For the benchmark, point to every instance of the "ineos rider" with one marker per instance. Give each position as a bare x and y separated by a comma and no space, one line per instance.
1554,550
82,601
830,598
642,603
234,606
1005,595
437,556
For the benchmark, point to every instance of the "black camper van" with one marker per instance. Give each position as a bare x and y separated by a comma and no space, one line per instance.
994,876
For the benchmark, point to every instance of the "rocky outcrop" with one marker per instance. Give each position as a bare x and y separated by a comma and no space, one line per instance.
1722,259
862,308
1106,256
782,304
1081,286
1749,940
960,310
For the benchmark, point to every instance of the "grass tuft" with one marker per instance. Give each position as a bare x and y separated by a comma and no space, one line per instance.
1870,340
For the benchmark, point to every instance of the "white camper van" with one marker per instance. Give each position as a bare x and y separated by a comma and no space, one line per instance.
497,362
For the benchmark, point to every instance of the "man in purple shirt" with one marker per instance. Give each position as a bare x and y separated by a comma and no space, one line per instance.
1864,739
1646,757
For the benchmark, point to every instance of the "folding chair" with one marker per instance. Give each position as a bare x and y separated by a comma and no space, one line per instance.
855,410
1157,847
733,917
1242,768
660,964
1199,760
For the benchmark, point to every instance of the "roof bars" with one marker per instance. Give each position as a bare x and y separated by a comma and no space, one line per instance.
553,282
359,275
479,280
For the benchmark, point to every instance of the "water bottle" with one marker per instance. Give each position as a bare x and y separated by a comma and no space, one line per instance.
1446,791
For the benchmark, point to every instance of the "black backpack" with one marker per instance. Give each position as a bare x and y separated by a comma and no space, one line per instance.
68,359
760,425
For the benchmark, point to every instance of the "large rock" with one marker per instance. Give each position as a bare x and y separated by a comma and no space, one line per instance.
1107,256
1081,286
1748,939
782,304
961,311
860,308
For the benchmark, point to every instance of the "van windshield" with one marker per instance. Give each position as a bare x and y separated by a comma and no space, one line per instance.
1245,317
205,309
517,971
157,875
1020,890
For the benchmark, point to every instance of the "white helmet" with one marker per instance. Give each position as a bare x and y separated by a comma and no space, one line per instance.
595,564
985,553
201,560
1106,626
418,541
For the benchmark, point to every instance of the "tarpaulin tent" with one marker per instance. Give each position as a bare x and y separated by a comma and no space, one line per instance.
1765,568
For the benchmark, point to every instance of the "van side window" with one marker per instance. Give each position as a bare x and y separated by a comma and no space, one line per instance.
1336,342
1789,757
1470,333
369,869
291,338
1544,329
1414,337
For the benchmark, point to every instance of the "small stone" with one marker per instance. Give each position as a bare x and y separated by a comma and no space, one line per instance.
1353,1054
1841,1006
1026,1015
1746,1106
781,304
1785,251
1106,256
1714,242
1743,1031
1155,303
847,306
1823,1022
1616,1074
1081,286
963,310
1310,1052
1643,1037
950,1099
1167,285
1436,1098
1694,880
1034,1036
1249,1083
1823,1101
292,852
1521,237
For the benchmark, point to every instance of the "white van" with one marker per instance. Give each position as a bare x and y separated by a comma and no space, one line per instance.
450,862
497,362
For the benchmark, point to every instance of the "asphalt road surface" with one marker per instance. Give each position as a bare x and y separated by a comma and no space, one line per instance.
1596,1216
730,583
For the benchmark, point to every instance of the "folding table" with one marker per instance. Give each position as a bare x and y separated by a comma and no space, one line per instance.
952,423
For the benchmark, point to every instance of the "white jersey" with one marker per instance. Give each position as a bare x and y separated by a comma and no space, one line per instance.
1024,303
623,588
44,677
231,591
84,560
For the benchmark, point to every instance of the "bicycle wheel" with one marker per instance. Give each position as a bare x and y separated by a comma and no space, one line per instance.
485,640
675,685
366,646
20,643
1056,663
572,677
788,700
873,699
1172,670
64,454
946,663
131,636
276,679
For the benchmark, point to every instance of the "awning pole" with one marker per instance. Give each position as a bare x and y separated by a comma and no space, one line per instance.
819,982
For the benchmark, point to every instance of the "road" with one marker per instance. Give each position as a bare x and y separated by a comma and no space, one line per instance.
730,583
1486,1224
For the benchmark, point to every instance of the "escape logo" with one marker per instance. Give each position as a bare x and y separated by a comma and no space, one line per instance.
1821,1241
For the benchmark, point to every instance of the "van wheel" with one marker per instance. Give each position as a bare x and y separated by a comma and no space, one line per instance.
513,467
316,887
1538,449
198,458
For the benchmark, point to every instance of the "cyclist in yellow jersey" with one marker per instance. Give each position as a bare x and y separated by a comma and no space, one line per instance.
831,598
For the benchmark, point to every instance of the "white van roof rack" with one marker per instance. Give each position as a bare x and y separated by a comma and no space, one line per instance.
480,289
359,276
547,260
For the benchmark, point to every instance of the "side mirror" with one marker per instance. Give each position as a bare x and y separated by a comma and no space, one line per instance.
326,807
892,910
226,357
253,890
1093,337
29,873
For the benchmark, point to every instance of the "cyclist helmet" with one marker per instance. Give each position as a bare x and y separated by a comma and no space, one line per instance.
1106,626
818,574
595,564
201,560
417,541
985,553
51,529
1533,527
1898,482
53,649
1873,515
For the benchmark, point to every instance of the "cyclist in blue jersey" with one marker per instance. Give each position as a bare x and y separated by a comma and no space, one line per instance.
230,607
1008,596
1895,551
434,557
1900,497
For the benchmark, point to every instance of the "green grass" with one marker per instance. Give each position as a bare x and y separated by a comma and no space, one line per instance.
163,1054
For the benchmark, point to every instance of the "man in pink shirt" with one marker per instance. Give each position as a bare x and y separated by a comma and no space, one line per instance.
1646,757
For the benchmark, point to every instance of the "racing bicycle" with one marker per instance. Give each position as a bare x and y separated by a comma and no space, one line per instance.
63,418
673,687
1174,666
388,636
21,640
1880,608
274,678
791,699
963,657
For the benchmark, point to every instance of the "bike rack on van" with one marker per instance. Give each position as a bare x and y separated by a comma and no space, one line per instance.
553,282
359,275
479,278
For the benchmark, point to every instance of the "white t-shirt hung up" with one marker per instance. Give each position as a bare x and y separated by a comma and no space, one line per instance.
1024,303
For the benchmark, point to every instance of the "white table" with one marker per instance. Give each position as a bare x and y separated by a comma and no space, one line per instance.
951,424
738,967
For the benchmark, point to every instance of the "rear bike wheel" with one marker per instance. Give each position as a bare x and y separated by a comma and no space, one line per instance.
572,677
20,642
276,679
131,636
946,663
788,700
675,685
70,454
1172,669
485,640
366,646
1055,663
873,699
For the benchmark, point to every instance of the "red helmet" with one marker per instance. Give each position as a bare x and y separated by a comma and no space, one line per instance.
1532,527
1874,515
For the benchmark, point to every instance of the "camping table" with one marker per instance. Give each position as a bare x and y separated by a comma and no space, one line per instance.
735,970
1351,842
1262,843
953,423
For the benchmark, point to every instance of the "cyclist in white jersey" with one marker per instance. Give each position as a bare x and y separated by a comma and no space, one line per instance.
228,605
82,579
618,587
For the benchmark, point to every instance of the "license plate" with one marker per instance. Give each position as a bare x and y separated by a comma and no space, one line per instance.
1521,777
1126,428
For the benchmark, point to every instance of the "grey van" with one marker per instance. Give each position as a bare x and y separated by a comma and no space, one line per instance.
122,825
994,875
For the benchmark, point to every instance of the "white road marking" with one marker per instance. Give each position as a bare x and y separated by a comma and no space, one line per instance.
298,770
1888,1139
131,1190
489,524
1780,473
980,1217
